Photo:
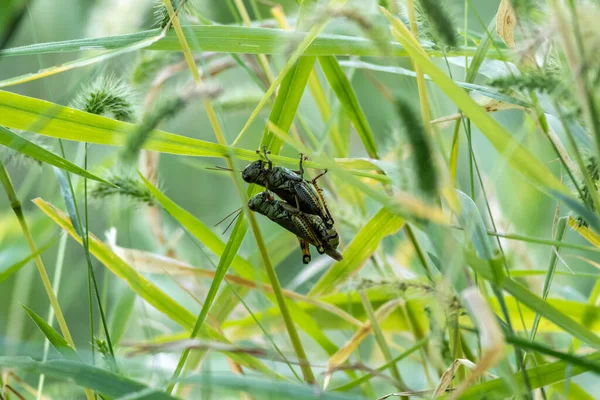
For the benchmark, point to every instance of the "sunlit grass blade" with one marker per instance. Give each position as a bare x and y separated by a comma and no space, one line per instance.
359,250
228,39
140,285
515,154
347,97
55,339
100,380
28,148
21,112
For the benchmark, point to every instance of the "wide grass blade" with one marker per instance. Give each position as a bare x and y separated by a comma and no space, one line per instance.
229,39
30,149
21,112
345,93
55,339
102,381
364,244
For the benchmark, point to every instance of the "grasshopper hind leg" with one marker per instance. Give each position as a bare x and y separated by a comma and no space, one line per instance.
328,218
306,257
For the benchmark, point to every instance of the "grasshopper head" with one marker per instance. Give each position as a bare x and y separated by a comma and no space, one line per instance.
257,200
253,172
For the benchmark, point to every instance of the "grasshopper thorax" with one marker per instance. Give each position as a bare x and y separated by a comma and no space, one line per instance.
254,173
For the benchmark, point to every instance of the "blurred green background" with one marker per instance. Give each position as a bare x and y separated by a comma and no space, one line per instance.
210,195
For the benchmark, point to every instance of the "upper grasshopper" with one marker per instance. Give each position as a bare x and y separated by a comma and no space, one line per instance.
290,186
308,228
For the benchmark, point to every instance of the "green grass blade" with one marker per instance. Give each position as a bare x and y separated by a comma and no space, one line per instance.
229,39
24,146
142,287
484,90
538,377
288,99
6,273
102,381
55,339
347,97
364,244
515,154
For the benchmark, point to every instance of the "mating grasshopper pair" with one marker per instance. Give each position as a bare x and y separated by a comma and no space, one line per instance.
302,210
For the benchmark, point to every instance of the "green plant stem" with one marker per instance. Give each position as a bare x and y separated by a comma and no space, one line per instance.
285,313
15,204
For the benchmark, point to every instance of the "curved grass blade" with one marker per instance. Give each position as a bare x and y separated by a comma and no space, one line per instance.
364,244
142,287
24,146
484,90
8,272
347,97
102,381
55,339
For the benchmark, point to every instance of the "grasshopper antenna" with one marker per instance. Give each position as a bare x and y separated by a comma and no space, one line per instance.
218,168
238,211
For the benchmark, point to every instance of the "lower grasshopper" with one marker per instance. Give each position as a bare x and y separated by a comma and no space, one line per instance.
308,228
290,186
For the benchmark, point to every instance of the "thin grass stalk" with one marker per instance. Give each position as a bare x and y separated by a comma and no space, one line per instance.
424,103
385,350
307,372
189,58
263,61
560,232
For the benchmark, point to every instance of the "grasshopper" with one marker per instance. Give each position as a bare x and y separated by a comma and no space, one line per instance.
308,228
290,186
